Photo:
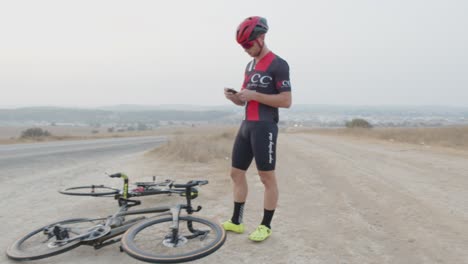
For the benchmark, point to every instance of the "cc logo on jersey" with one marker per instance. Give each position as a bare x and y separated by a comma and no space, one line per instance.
283,84
259,78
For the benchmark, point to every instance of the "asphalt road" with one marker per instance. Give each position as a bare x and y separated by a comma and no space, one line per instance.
20,159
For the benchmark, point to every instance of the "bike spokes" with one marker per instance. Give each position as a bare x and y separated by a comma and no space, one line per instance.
157,240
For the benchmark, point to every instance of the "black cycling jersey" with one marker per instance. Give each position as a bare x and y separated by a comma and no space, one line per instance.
269,76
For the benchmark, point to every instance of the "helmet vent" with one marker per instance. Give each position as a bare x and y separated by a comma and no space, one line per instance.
243,31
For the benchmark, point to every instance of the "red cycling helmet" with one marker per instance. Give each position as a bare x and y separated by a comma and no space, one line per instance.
251,28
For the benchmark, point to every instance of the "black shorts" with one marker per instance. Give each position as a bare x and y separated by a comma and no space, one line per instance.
255,139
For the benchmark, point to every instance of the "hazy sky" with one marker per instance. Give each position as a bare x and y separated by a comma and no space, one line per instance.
92,52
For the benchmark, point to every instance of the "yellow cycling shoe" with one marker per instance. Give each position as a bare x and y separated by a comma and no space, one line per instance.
230,226
261,233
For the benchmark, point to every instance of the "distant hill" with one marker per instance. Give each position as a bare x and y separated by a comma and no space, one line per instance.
176,107
97,116
403,116
307,115
387,110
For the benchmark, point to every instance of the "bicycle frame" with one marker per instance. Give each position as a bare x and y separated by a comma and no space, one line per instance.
126,194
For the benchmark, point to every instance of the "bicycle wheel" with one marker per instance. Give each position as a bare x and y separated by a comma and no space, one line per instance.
38,244
91,190
150,240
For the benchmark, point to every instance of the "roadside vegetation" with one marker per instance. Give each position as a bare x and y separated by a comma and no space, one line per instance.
53,132
452,137
198,145
35,133
358,123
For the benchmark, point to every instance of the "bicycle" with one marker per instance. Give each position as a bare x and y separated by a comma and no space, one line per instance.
142,189
200,238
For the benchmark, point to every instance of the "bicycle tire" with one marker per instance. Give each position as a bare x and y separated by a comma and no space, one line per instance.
133,242
90,190
19,249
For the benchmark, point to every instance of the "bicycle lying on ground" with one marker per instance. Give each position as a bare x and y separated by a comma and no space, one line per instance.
142,189
166,237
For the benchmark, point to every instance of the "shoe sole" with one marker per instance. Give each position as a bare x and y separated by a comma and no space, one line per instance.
234,231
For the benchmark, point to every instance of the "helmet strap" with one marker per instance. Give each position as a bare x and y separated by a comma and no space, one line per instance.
261,47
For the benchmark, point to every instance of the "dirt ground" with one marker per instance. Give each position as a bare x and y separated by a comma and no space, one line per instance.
342,200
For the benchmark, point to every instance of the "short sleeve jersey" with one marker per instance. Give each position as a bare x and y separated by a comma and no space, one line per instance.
269,76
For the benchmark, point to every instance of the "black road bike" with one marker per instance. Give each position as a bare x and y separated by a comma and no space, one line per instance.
164,237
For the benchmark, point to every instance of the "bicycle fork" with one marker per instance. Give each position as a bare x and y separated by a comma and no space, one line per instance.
174,239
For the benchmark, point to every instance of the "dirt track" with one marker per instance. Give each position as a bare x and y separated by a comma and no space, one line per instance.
341,201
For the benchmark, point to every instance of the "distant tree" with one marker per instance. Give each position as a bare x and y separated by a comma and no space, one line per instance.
35,132
142,127
130,128
95,131
358,122
110,129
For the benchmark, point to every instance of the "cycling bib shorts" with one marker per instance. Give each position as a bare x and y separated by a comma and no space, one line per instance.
255,139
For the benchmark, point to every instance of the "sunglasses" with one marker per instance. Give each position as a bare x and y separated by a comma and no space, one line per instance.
248,45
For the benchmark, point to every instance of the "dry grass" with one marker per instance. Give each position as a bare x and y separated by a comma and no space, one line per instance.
198,145
451,137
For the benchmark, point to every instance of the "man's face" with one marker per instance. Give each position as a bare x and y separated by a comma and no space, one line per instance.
252,47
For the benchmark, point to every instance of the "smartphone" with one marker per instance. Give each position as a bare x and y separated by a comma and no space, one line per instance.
231,90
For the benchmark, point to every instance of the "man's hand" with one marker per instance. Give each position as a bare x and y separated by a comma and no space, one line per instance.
247,95
274,100
234,97
229,95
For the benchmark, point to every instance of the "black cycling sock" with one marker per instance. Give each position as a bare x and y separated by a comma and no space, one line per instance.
238,213
267,216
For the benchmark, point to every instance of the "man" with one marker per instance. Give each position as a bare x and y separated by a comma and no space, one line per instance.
266,87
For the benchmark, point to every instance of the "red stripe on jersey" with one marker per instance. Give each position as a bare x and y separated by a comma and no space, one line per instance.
246,80
265,62
252,111
253,107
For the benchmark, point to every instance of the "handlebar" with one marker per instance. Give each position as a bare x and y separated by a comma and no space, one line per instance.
116,175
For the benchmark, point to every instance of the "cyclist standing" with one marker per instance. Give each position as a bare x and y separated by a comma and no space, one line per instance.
266,87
